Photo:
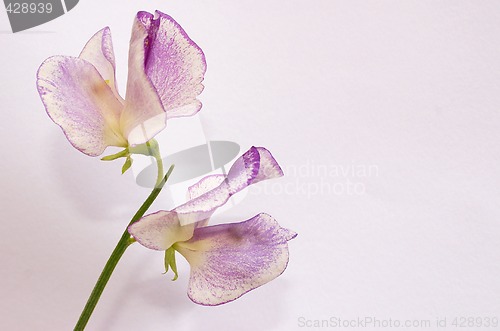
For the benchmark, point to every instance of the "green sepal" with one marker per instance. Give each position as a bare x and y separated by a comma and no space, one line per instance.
124,153
149,148
170,262
127,164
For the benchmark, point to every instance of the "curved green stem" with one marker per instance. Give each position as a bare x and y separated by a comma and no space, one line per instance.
120,248
159,163
154,151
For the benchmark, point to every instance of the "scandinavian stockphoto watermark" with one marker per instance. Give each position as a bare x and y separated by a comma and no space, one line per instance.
312,179
26,14
460,322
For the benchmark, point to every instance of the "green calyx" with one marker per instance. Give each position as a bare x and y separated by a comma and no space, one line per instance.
127,164
124,153
150,148
170,262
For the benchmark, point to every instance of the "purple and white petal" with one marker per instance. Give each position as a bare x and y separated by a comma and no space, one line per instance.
160,230
174,64
99,52
243,171
78,100
229,260
268,168
204,185
255,165
144,115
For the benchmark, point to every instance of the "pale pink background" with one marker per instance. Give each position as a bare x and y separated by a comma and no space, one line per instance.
411,87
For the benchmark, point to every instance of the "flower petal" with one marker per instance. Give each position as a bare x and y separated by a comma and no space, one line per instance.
174,63
255,165
229,260
204,185
78,100
143,116
99,52
160,230
268,168
166,69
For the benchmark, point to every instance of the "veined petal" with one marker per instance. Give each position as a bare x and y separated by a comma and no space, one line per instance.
229,260
268,168
78,100
204,185
99,52
160,230
255,165
143,116
243,171
174,63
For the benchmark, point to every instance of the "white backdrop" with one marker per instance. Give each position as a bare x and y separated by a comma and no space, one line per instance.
384,114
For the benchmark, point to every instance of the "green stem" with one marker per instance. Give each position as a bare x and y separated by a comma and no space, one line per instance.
154,150
159,163
120,248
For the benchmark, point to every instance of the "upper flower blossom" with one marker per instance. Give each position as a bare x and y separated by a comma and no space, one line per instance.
165,74
226,260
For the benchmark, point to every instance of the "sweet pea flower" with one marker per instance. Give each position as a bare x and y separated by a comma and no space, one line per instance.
165,74
226,260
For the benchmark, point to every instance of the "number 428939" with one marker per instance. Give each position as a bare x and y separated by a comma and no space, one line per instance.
25,8
475,322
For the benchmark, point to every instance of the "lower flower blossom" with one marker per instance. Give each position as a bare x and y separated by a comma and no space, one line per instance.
226,260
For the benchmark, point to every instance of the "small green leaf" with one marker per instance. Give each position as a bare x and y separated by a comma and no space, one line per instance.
170,262
167,260
127,164
118,155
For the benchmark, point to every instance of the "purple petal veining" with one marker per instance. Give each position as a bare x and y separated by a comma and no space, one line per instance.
231,259
160,230
255,165
143,116
174,64
77,99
